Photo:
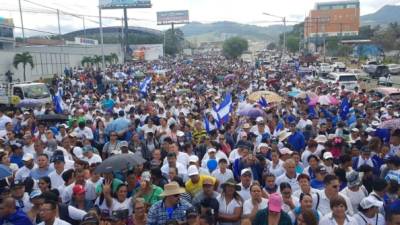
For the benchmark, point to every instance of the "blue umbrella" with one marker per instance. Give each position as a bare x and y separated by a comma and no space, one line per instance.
5,172
252,112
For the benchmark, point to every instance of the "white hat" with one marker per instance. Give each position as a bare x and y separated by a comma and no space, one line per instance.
262,145
192,170
369,202
321,139
370,129
283,135
180,133
193,158
211,150
355,130
245,171
375,123
78,152
331,136
285,151
259,119
27,157
327,155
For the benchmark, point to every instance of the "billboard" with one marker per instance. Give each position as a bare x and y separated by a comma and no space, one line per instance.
147,51
6,28
117,4
172,17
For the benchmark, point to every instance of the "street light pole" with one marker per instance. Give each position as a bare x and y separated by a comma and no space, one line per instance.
101,38
22,21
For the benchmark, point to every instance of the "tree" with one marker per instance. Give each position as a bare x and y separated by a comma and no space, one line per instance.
87,61
173,41
97,60
272,46
24,58
114,58
292,43
234,47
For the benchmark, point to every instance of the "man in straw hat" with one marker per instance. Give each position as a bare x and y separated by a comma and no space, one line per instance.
171,209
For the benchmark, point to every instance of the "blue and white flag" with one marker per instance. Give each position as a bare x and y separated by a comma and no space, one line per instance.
263,102
344,108
207,125
144,85
224,109
58,103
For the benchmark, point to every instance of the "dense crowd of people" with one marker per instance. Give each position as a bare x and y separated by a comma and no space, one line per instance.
263,161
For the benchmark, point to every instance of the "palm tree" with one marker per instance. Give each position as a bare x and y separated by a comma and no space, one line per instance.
87,60
114,58
108,59
96,60
24,58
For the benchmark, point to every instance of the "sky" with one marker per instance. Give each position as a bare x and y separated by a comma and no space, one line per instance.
43,17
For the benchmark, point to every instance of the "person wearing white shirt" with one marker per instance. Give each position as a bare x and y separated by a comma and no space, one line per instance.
276,165
311,149
84,132
59,168
355,191
90,193
368,212
172,162
28,144
212,153
330,192
222,173
246,178
290,176
48,213
234,154
182,157
252,205
90,157
25,171
3,120
289,201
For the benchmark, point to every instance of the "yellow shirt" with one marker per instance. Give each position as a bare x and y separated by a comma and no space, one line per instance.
193,189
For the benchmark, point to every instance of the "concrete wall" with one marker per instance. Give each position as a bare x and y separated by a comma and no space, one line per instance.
50,60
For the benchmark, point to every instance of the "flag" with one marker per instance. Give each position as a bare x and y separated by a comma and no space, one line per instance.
311,109
224,109
383,134
263,102
344,108
280,126
144,86
207,124
216,116
58,103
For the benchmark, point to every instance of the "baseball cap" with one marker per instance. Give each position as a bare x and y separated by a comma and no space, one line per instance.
193,158
27,157
260,119
146,176
353,179
246,170
321,139
192,170
89,219
180,133
328,155
275,202
369,202
192,212
35,193
321,169
355,130
78,189
17,184
123,144
211,150
58,158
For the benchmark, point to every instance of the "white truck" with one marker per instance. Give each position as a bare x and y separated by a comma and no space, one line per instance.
27,94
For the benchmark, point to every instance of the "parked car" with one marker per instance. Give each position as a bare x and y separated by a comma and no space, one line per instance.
324,68
380,71
339,66
348,80
370,66
360,74
394,68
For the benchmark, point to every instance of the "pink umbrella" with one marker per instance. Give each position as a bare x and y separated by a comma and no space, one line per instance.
324,100
333,100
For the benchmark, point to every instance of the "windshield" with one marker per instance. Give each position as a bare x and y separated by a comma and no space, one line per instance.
395,96
36,91
348,78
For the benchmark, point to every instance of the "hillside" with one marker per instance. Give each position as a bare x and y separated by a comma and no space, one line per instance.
221,30
384,16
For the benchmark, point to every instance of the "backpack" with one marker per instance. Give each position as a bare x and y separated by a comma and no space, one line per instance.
64,214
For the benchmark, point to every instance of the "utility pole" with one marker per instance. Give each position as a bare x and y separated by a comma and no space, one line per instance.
22,21
126,47
101,39
284,35
58,20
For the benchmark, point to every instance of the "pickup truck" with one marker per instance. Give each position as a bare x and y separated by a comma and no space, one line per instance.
24,94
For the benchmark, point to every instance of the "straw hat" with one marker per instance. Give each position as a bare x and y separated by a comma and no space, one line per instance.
231,182
172,188
283,135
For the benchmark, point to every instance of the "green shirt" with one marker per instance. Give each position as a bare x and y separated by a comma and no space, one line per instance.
153,196
114,185
262,218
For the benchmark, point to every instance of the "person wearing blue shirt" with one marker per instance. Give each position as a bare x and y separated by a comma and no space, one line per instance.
107,103
366,158
17,155
318,181
43,168
11,214
296,140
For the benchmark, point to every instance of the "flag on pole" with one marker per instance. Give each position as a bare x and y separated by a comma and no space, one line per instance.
263,102
207,124
58,103
144,86
344,108
224,109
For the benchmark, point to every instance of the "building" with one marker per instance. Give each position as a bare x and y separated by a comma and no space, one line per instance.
7,40
331,19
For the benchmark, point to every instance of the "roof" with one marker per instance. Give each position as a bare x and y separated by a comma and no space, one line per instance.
27,84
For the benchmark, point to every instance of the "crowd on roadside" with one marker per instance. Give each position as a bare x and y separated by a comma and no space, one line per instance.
212,154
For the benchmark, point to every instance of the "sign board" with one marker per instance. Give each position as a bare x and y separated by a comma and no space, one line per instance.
85,41
147,51
6,28
172,17
118,4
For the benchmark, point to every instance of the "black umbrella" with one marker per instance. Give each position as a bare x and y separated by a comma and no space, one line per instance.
52,118
120,162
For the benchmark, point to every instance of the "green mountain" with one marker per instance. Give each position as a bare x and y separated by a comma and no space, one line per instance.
384,16
219,31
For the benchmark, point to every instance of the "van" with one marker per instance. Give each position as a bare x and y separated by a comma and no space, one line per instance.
348,80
